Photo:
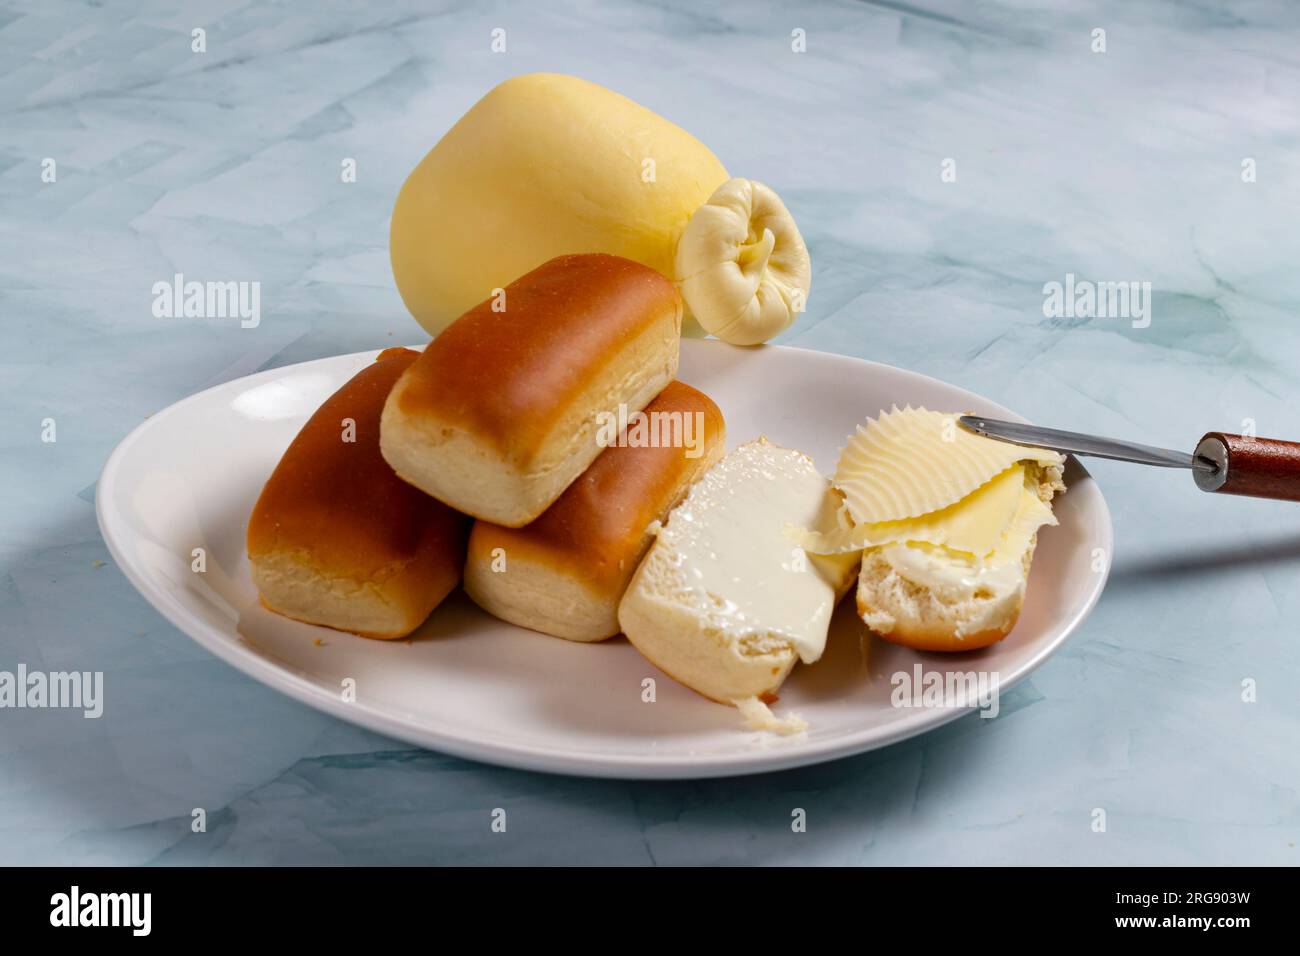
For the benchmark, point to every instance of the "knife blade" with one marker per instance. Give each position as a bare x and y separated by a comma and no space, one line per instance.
1077,443
1222,462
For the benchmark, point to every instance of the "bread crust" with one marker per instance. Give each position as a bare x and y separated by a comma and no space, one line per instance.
499,414
336,538
566,571
941,635
918,637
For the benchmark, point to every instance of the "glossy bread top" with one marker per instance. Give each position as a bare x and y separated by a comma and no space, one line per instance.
515,362
339,499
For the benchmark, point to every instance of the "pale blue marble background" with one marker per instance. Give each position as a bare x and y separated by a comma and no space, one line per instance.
1113,166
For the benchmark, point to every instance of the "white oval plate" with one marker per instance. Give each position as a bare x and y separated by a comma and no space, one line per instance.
470,685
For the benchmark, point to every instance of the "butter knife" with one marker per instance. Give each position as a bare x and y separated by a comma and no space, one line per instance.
1224,463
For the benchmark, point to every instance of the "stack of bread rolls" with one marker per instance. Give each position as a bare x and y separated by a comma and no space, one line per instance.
487,459
498,420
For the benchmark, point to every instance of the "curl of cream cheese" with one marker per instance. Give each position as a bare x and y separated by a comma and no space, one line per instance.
742,265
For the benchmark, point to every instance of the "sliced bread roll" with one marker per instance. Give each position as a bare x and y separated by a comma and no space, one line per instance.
726,602
933,598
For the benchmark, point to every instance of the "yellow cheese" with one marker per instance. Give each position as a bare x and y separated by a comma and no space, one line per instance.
1031,514
975,525
954,575
723,553
543,165
965,508
911,462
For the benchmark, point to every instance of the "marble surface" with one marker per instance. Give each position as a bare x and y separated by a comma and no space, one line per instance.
1115,166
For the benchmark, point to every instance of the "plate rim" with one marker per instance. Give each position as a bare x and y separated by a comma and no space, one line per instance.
243,657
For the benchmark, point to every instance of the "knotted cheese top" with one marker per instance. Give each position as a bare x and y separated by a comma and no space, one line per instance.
742,265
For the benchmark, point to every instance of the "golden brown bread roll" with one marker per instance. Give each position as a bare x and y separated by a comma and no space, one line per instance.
501,411
565,573
336,538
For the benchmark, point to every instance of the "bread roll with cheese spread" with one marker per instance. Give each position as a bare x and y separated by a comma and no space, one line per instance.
933,599
336,538
501,412
946,521
564,573
725,602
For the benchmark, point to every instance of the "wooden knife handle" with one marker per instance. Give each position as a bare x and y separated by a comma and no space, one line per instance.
1258,467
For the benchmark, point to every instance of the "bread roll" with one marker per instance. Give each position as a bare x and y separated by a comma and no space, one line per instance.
336,538
903,611
946,521
932,598
565,573
725,602
501,411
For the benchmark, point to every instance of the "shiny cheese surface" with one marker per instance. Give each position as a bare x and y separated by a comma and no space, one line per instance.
728,543
975,525
1031,514
955,575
